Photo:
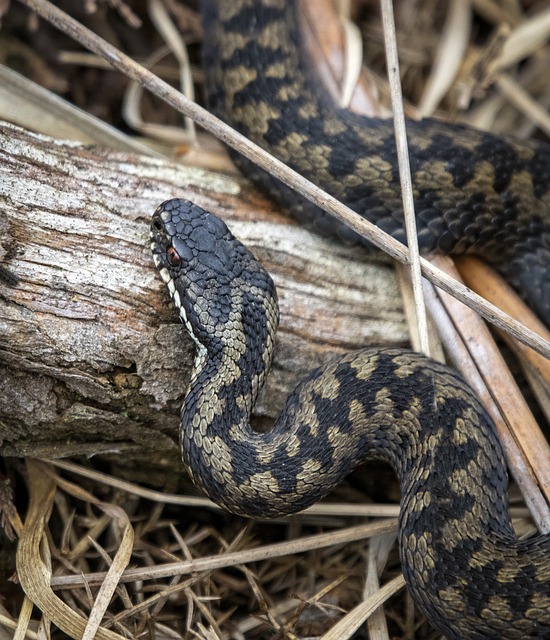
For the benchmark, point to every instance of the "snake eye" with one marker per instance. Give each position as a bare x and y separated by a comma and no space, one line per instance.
173,257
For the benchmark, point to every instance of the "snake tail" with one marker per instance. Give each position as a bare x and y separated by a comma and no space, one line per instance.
463,564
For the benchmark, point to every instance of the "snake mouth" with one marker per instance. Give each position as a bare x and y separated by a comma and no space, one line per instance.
159,238
156,250
161,241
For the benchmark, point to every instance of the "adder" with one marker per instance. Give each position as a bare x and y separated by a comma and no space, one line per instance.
474,192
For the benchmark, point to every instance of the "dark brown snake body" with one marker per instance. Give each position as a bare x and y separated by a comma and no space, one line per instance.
475,192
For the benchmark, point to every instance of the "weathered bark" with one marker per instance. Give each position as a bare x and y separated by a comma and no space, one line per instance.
92,358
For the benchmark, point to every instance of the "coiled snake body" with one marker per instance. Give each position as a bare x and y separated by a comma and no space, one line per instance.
461,559
463,564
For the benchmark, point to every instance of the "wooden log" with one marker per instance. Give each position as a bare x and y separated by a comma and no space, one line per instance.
92,357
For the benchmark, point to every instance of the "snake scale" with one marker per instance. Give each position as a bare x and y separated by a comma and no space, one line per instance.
474,192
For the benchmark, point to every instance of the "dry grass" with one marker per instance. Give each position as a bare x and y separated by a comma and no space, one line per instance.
149,564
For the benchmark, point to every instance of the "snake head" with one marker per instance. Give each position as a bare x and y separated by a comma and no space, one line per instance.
209,273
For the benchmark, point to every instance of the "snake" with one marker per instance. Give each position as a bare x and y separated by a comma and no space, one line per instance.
475,192
462,562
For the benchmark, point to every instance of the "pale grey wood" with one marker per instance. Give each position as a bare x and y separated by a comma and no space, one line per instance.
92,358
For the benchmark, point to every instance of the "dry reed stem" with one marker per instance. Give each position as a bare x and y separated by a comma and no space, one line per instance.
449,55
323,508
355,618
22,630
480,277
405,177
20,626
379,549
350,534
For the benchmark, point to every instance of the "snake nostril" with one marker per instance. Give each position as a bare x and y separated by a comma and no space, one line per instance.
157,223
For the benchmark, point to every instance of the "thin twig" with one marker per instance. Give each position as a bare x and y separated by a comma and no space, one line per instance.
220,561
524,102
357,616
405,172
376,236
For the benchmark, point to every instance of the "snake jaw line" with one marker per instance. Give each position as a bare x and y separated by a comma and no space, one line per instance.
165,275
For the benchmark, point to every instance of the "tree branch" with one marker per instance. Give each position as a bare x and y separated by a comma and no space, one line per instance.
92,357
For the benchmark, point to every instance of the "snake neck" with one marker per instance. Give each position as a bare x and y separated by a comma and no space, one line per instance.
474,191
